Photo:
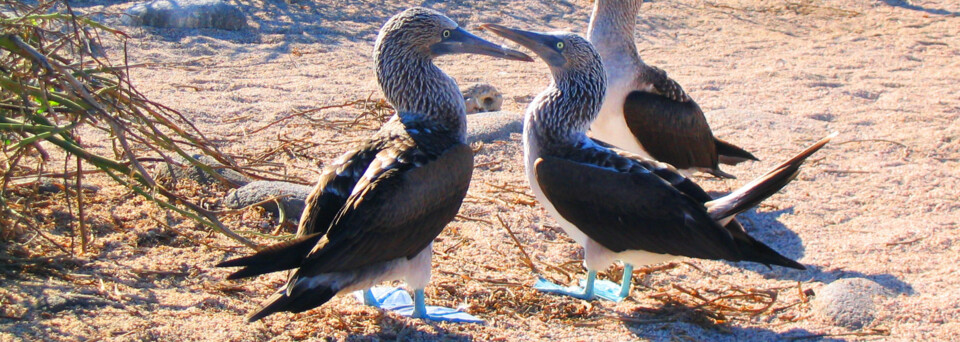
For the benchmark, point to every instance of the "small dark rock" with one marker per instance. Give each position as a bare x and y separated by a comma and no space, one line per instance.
157,237
488,127
170,173
864,94
62,301
186,14
260,190
55,185
822,117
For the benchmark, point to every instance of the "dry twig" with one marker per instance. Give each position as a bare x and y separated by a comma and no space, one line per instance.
526,257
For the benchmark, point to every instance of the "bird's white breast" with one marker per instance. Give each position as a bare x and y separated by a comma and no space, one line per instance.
531,152
610,125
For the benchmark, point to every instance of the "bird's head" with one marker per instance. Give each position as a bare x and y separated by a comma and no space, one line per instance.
426,33
565,110
562,51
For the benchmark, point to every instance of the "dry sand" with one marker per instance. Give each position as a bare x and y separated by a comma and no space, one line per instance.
880,202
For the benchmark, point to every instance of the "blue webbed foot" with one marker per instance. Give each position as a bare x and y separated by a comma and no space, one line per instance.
586,292
544,285
370,299
439,313
383,297
399,301
607,290
589,289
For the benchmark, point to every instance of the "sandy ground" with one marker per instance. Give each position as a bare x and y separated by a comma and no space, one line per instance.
879,203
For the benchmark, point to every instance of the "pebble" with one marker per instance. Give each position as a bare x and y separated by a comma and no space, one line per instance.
56,185
58,302
848,302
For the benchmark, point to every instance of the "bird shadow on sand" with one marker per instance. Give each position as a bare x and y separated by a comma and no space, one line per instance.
47,296
907,5
668,322
764,227
392,329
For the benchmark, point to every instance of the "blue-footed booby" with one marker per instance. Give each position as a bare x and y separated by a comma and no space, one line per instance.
644,111
376,210
616,204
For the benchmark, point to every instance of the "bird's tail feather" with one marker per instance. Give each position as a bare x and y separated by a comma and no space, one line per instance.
756,191
731,154
279,257
298,301
753,250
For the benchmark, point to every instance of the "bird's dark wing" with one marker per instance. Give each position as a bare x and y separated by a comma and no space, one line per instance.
399,206
334,188
665,86
673,132
632,210
666,172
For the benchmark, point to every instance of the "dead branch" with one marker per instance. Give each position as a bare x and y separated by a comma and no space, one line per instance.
526,257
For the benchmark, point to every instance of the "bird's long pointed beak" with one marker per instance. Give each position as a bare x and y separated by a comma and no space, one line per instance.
461,41
528,39
541,44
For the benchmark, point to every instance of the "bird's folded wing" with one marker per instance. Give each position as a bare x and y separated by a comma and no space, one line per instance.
333,189
672,132
339,178
666,86
396,213
668,173
632,210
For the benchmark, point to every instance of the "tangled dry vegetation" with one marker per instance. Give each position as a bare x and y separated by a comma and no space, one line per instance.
58,91
58,87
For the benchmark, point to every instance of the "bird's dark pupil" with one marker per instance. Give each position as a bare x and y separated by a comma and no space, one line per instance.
446,34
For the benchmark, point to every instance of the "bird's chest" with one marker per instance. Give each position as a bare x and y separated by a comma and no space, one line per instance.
610,125
531,153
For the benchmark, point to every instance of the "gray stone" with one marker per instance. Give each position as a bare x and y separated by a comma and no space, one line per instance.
53,303
482,98
848,302
170,173
488,127
261,190
186,14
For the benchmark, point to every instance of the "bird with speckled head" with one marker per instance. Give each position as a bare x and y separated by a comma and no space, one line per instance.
376,210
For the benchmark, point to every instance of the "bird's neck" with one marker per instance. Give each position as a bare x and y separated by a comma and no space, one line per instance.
611,33
561,114
418,90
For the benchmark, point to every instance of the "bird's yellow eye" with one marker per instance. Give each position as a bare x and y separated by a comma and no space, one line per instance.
559,45
446,33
